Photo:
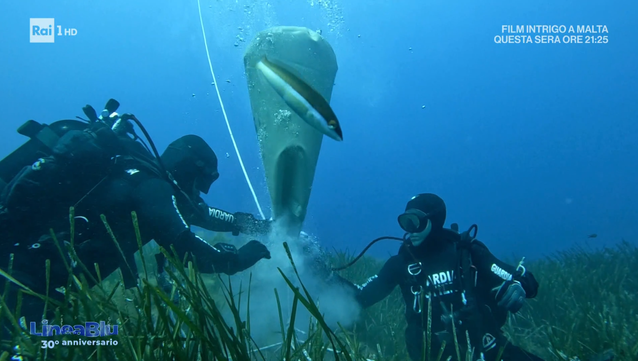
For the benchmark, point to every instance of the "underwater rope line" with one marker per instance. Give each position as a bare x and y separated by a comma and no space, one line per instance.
230,131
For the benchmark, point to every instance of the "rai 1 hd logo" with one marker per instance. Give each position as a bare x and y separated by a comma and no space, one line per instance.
43,30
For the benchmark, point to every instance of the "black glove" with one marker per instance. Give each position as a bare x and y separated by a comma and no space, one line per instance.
243,258
246,223
458,316
225,248
250,254
510,295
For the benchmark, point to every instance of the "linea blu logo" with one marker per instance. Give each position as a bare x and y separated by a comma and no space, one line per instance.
89,329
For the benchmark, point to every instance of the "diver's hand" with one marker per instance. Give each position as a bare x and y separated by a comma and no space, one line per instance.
250,254
457,316
246,223
510,295
243,258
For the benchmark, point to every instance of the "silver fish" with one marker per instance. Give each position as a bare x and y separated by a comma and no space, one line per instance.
302,98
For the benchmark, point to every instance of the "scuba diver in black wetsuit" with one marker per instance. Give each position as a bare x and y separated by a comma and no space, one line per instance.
460,279
97,168
193,165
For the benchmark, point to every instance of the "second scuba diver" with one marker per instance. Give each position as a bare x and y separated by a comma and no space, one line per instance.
461,280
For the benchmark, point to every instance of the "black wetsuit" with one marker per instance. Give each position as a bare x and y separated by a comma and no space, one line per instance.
435,274
207,217
130,188
198,213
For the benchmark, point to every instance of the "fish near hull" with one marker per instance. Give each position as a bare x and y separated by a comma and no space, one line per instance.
302,99
289,145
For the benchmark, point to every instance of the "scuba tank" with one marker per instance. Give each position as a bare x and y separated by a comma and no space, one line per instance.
44,137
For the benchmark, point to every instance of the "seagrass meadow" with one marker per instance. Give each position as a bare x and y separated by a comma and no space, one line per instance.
587,305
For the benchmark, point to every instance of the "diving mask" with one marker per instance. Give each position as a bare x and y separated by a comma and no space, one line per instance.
417,223
414,221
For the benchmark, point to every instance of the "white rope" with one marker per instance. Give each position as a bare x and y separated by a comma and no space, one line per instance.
232,137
